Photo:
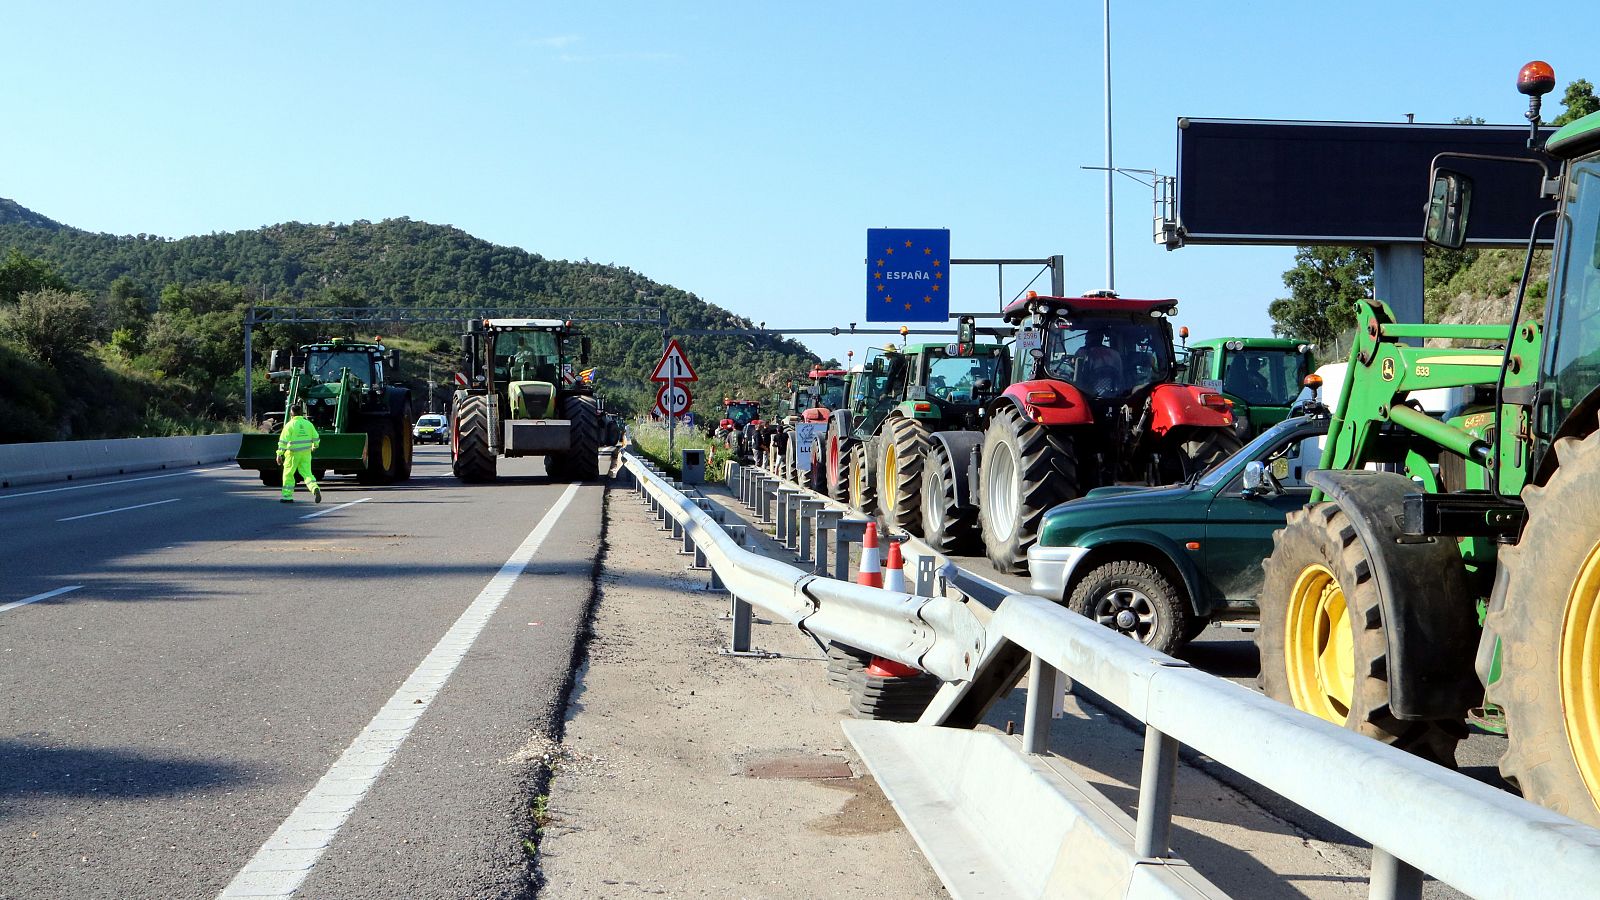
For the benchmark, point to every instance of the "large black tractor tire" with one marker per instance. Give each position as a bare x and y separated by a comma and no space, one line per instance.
948,527
1320,583
1026,469
902,451
383,453
1198,453
791,457
471,458
836,464
407,443
862,496
1136,600
1546,614
581,461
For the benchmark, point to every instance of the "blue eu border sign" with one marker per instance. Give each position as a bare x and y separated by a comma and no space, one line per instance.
908,274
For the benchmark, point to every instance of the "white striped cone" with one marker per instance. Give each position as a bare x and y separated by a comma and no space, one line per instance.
894,574
871,570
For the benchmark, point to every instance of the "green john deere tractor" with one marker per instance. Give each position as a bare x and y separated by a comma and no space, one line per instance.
1261,377
1465,585
523,399
364,421
915,433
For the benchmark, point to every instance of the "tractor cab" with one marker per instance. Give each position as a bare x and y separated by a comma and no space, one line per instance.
1261,376
1108,348
527,364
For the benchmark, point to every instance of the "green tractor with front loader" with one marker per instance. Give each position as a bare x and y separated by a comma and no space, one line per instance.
1463,583
914,435
1261,377
523,398
363,420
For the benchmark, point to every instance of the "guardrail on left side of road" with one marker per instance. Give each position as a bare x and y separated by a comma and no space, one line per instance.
37,463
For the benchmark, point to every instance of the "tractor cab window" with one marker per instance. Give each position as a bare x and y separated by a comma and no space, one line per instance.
832,395
952,379
1198,368
328,365
1264,377
1572,351
1108,358
742,414
526,356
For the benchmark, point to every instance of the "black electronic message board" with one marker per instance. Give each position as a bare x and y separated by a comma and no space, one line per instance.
1243,181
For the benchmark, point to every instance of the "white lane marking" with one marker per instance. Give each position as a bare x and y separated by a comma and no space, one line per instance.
335,508
284,861
37,597
107,512
84,487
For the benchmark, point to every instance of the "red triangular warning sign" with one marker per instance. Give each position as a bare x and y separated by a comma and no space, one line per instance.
674,366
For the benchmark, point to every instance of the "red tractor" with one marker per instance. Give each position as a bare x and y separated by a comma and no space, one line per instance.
1092,402
812,405
736,431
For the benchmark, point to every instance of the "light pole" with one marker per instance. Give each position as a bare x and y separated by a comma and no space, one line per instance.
1111,265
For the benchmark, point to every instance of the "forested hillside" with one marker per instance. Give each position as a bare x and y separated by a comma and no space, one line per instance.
166,314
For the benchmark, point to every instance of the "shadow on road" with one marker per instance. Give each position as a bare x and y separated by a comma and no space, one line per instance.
30,769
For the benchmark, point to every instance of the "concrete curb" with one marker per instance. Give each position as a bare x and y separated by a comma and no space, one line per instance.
71,460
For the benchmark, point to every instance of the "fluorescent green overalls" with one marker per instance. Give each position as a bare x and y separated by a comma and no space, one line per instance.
295,444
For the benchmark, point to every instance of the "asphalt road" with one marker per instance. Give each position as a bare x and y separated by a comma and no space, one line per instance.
183,658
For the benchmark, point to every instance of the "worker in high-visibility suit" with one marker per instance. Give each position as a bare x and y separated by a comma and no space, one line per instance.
295,444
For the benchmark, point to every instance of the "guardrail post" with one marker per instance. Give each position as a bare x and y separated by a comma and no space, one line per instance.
808,517
1156,785
769,499
739,612
783,513
791,520
1036,717
844,534
688,541
827,520
711,509
1393,878
732,478
677,529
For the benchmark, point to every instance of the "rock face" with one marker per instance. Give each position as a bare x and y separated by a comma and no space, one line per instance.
14,213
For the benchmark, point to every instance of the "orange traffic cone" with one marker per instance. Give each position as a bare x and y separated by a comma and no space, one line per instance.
894,574
888,668
871,570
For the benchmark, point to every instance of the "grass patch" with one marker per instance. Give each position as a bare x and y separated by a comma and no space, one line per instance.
650,441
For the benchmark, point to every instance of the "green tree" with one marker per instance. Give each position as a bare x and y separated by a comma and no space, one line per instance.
52,325
20,274
1579,101
1324,286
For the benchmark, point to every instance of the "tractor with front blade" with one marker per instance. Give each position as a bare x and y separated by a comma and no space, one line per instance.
523,400
1092,401
363,420
1464,583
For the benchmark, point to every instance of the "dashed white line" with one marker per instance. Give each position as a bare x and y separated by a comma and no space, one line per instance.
37,597
323,512
84,487
283,862
107,512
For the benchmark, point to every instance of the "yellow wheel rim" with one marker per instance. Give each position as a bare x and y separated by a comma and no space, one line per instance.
855,485
891,469
386,452
1319,650
1580,667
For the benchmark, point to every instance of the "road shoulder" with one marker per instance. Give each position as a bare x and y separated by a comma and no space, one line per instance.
658,785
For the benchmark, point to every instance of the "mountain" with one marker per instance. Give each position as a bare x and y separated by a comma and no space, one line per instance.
14,213
401,263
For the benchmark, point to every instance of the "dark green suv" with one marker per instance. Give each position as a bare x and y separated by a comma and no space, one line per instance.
1160,563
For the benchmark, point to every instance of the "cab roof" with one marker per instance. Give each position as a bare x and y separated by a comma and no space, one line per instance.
525,323
1016,310
1251,343
1575,137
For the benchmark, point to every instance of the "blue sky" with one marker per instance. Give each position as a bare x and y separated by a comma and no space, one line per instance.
736,150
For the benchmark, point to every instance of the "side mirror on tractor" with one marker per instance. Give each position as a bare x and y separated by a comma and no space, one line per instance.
272,360
583,350
1448,207
394,364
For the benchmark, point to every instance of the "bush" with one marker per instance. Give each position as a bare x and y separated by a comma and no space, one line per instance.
52,325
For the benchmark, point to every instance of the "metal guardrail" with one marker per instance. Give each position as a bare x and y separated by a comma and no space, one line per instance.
1419,817
935,634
